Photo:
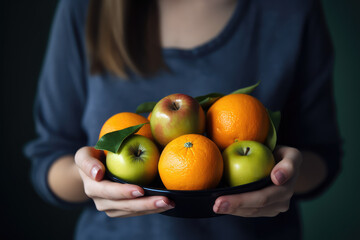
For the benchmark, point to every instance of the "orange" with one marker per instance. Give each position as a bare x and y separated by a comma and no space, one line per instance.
190,162
124,120
237,117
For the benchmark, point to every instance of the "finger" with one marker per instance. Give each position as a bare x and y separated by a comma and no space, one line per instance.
139,205
269,211
287,167
112,190
87,160
256,199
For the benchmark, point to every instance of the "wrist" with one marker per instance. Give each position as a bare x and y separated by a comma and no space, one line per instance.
65,181
313,172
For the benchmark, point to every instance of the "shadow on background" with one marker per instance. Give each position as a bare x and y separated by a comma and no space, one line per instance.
25,28
24,35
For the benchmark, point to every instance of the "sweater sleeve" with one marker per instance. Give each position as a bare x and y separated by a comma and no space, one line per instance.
309,118
60,99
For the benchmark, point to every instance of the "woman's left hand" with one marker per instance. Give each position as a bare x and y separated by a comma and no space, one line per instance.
269,201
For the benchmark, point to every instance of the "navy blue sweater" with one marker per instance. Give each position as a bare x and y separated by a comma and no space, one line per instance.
285,44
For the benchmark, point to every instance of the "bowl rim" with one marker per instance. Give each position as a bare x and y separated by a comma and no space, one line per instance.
264,181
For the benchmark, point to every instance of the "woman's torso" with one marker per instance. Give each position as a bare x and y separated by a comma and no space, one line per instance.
259,43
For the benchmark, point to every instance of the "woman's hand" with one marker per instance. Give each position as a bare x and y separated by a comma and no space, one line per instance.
116,200
272,200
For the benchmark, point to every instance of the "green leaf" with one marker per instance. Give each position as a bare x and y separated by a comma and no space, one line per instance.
247,90
271,138
112,141
275,118
207,100
145,107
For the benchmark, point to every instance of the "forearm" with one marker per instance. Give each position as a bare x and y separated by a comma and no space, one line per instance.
65,181
313,172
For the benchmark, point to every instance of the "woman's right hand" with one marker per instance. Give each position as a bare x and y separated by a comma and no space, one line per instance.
115,199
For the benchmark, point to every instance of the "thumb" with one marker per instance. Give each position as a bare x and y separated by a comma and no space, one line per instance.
87,160
287,167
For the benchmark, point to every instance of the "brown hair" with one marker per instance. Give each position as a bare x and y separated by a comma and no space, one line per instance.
123,35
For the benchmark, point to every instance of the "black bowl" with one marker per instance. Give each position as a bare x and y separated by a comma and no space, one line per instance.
195,204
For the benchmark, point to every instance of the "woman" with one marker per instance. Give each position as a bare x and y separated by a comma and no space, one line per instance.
139,51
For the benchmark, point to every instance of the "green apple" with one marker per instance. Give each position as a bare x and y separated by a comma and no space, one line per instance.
136,161
246,162
175,115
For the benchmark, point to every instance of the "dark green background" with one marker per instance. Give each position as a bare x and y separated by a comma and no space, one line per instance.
24,32
336,214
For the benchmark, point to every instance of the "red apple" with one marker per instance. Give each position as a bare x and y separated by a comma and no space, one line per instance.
176,115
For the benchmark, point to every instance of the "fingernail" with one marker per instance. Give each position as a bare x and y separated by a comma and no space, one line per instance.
280,177
94,171
163,204
137,194
224,207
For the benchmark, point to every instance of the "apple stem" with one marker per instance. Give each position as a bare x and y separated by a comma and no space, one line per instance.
139,152
175,106
247,151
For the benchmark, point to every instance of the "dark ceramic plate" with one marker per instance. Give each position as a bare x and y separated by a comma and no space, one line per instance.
195,204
